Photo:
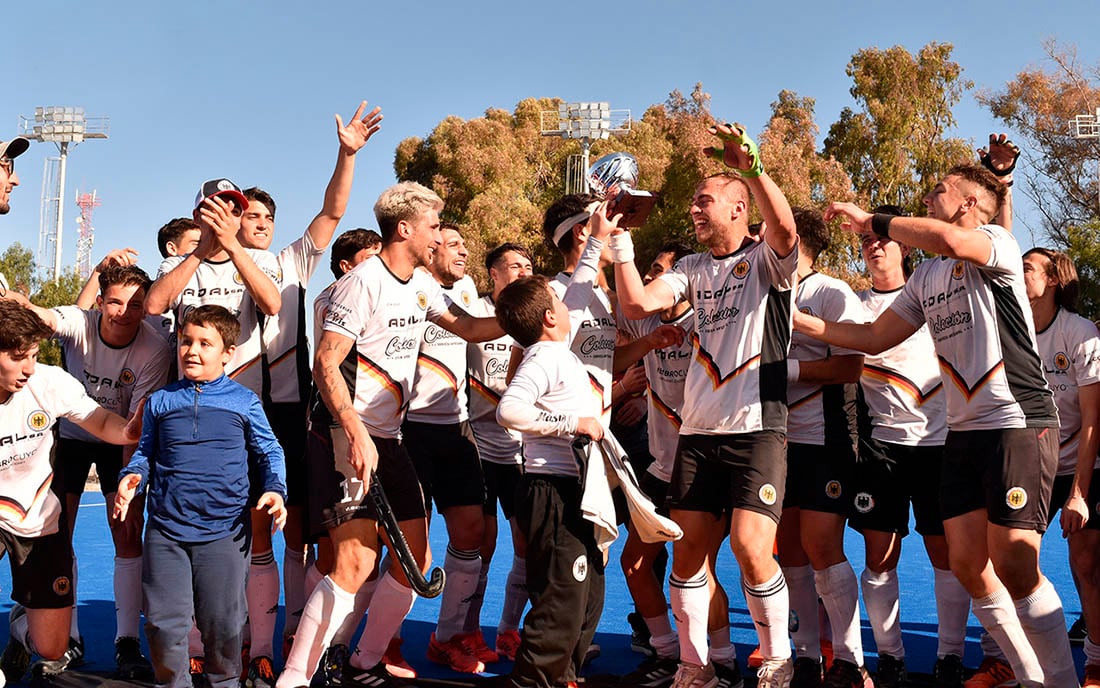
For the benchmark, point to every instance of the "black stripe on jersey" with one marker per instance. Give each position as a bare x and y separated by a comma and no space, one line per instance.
773,359
838,405
301,348
1023,369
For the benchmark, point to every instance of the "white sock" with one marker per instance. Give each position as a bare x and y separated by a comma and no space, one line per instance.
294,587
388,608
880,596
803,601
473,614
839,592
194,641
952,612
770,609
1044,623
20,628
324,611
74,625
989,646
690,606
263,602
999,619
127,597
515,596
362,601
661,636
1092,652
463,567
721,649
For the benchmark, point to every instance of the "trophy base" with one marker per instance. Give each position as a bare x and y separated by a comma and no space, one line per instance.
635,206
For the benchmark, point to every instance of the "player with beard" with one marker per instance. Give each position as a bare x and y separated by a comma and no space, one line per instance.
9,151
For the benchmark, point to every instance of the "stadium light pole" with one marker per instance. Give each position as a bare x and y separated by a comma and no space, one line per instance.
63,126
587,122
1088,127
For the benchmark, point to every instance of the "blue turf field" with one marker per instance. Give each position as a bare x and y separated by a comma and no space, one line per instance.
96,608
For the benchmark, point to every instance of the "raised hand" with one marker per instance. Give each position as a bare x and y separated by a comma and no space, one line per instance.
737,150
120,256
604,222
217,215
359,129
852,217
1001,155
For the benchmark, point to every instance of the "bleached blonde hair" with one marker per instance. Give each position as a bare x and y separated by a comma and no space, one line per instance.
403,201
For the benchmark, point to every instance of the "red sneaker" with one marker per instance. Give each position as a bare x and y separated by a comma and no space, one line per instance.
395,663
455,654
508,644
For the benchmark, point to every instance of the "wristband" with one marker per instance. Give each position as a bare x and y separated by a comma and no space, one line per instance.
622,247
880,224
793,369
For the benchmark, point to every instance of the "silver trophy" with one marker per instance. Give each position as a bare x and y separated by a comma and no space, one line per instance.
620,170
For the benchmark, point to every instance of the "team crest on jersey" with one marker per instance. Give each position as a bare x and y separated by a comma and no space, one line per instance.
580,568
806,310
237,278
833,489
1061,361
61,585
466,300
767,494
741,270
422,300
864,502
958,270
126,377
1016,498
38,420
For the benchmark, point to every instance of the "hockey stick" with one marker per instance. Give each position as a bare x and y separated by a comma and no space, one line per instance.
400,546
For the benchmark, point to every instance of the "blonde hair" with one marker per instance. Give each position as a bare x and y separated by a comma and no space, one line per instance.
403,202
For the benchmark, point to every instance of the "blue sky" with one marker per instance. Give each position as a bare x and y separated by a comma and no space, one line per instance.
247,90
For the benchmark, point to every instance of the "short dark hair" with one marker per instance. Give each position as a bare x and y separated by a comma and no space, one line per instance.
125,275
985,179
813,234
497,253
559,211
521,307
172,231
255,193
450,225
348,244
218,318
897,211
1061,268
22,327
678,249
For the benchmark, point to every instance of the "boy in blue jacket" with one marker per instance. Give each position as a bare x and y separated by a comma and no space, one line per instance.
199,435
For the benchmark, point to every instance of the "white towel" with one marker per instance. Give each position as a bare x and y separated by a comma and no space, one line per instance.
650,525
596,503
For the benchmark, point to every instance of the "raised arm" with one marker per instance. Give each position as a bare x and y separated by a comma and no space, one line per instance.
472,329
121,256
168,286
1000,159
887,331
47,315
217,214
832,370
925,233
636,300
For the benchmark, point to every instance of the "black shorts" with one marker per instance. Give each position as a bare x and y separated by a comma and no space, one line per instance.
288,420
720,473
446,462
73,462
1058,496
41,568
888,477
1009,473
657,491
820,478
337,496
501,480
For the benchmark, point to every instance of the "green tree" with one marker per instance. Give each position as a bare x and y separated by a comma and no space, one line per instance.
50,294
17,265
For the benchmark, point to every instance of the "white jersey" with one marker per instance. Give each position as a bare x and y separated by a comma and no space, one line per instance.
593,339
220,284
737,381
115,377
439,390
28,507
386,317
284,335
165,327
902,388
822,414
487,367
666,371
1070,350
548,395
981,325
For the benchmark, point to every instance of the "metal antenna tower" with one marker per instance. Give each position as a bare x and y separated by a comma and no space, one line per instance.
87,202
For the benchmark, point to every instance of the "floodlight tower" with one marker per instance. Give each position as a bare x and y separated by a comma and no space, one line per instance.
1088,127
62,126
87,202
587,122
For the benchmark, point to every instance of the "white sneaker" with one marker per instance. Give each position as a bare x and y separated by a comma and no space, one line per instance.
694,676
775,673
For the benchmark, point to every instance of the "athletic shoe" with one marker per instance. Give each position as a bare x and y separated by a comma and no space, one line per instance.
508,644
73,657
948,672
775,673
198,673
729,676
890,672
639,635
333,664
395,662
260,673
132,665
653,672
844,674
756,658
590,654
45,670
695,676
1078,631
375,677
1092,676
475,640
993,672
808,673
16,658
454,654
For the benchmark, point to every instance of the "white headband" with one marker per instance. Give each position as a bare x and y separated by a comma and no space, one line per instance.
568,223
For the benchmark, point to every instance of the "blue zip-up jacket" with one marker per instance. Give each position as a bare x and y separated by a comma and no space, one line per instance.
196,442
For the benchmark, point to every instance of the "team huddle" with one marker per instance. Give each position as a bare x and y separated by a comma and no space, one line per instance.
734,393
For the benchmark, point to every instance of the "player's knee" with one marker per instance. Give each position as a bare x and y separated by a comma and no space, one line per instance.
1084,559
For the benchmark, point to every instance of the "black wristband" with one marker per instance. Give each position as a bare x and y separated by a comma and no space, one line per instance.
880,224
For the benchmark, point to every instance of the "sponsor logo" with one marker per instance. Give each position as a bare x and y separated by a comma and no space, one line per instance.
580,568
767,494
864,502
422,300
1061,361
496,367
38,420
833,489
224,185
435,334
398,345
741,270
61,585
942,323
1016,498
704,318
595,344
958,271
